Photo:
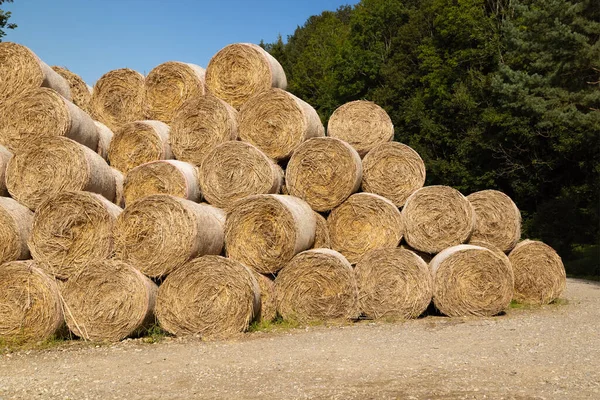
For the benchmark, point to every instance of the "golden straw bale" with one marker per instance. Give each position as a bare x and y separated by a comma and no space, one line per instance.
109,301
437,217
41,113
241,70
317,284
393,283
159,233
322,236
471,280
169,85
5,155
56,164
361,123
540,276
277,122
212,296
323,172
80,91
139,142
15,227
72,230
30,306
118,98
105,136
234,170
21,70
393,170
268,308
202,123
498,219
265,231
362,223
425,256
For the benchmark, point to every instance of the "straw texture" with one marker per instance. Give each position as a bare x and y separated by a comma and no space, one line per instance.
241,70
361,123
539,273
322,237
5,155
169,85
109,301
498,219
323,172
30,307
139,142
211,296
393,170
15,227
72,230
159,233
277,122
265,231
437,217
393,283
53,165
81,94
268,308
105,136
471,280
176,178
234,170
317,285
119,191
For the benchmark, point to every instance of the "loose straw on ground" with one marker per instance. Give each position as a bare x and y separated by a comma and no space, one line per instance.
71,231
322,237
361,123
324,172
268,308
241,70
15,227
437,217
393,283
5,155
471,280
211,296
362,223
80,92
265,231
105,136
277,122
109,301
539,273
317,285
159,233
393,170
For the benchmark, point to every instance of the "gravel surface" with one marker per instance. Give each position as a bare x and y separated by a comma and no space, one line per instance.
552,352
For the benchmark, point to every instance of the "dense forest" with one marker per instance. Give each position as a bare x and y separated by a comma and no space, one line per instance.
499,94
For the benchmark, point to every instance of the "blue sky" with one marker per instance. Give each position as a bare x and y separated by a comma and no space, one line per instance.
92,37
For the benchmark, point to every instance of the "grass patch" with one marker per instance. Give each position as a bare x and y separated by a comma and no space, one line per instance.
278,324
155,334
19,344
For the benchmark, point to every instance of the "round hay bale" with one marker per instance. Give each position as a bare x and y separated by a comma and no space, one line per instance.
437,217
105,136
176,178
393,170
363,124
425,256
169,85
57,164
5,155
362,223
21,70
393,283
471,280
15,226
540,276
72,230
317,284
30,306
212,296
277,122
234,170
268,308
241,70
40,113
322,237
265,231
80,91
109,301
119,192
159,233
202,123
498,219
323,172
118,98
138,143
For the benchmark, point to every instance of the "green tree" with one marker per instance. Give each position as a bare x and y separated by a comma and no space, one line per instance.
4,16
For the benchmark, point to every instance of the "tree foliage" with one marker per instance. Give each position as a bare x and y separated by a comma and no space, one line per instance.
4,16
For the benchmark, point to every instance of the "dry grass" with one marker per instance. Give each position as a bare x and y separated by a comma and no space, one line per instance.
15,227
268,308
80,92
105,136
5,155
322,236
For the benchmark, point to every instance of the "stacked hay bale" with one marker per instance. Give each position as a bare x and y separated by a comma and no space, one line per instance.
81,92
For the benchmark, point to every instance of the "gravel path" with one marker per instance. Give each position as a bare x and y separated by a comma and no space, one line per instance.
551,352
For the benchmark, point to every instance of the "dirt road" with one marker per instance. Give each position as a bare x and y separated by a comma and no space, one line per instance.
551,352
